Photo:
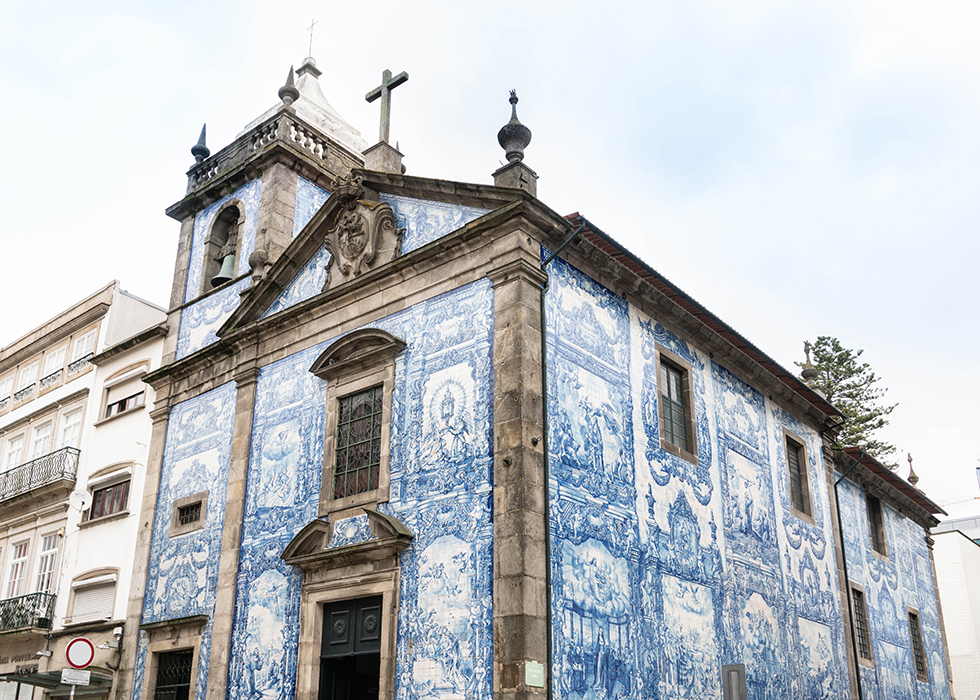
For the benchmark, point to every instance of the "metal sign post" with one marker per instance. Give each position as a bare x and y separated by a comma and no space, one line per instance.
79,654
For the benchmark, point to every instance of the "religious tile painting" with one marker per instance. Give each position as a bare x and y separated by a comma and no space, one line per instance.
183,569
441,486
689,555
424,221
894,583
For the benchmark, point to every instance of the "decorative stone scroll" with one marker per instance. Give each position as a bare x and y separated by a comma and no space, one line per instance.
364,237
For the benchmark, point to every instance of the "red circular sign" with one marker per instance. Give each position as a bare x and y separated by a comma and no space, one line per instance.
79,652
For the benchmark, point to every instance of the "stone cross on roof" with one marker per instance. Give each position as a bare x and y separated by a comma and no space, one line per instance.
312,24
384,92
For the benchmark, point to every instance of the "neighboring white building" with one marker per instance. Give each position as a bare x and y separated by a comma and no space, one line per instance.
74,431
958,573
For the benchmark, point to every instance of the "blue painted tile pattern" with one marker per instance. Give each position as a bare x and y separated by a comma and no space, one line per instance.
893,583
664,570
249,195
424,220
200,321
308,283
183,570
441,486
309,199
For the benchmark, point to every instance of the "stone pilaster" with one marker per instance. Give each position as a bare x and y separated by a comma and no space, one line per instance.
520,611
277,208
839,554
144,539
246,379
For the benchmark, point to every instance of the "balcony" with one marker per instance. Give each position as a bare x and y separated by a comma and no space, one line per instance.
27,611
55,469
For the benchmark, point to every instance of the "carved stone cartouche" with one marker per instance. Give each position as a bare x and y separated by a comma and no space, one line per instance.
364,236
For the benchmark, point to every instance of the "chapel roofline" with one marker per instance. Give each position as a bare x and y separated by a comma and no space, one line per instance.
884,483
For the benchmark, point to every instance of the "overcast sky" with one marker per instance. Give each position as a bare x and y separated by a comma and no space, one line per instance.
801,168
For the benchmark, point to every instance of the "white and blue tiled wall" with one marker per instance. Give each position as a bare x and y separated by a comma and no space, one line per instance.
892,584
664,570
441,488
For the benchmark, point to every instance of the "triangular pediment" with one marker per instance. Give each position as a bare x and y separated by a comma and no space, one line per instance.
355,231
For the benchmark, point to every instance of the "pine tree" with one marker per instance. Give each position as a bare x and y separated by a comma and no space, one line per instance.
852,388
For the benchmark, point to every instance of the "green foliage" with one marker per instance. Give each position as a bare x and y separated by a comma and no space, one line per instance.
853,389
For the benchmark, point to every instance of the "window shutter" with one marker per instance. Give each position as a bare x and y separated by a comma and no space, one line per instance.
125,390
94,603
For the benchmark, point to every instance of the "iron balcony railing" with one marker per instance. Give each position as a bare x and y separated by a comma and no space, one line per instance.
60,464
32,610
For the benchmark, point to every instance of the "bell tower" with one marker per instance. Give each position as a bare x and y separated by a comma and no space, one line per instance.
245,203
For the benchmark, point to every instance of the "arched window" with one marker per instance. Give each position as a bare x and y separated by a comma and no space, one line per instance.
220,248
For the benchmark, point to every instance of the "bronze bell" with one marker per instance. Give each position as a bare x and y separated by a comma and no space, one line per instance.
227,271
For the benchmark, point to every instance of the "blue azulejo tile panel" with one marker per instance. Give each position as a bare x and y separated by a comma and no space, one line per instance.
285,462
892,584
441,488
200,321
308,283
424,220
309,199
248,194
820,675
697,566
692,647
183,569
182,575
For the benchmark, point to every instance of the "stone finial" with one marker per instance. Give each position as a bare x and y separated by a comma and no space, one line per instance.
809,372
514,136
199,150
913,478
288,92
258,262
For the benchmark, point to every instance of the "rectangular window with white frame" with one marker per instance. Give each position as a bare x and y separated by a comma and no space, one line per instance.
93,598
18,568
6,387
54,362
46,561
125,396
26,381
71,428
84,349
14,452
41,441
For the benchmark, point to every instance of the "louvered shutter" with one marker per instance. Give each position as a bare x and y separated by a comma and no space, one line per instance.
125,390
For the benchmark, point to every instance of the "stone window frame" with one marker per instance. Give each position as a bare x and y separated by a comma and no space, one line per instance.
210,264
176,528
911,612
362,570
690,411
126,374
851,588
104,478
878,506
172,635
87,579
791,438
359,360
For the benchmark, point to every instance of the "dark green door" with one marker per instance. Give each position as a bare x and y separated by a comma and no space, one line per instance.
350,650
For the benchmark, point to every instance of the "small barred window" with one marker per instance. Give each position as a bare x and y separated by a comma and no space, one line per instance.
358,454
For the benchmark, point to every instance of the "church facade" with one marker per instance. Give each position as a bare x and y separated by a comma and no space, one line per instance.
416,438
